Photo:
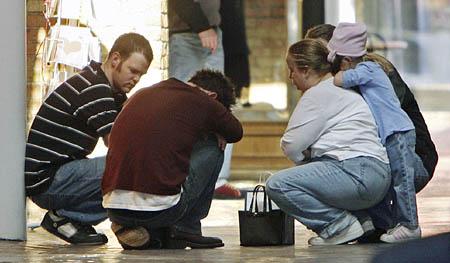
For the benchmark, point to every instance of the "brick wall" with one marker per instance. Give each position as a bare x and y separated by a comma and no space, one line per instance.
267,39
148,18
35,35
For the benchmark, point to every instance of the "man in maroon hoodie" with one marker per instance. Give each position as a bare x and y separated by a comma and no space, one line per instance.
163,161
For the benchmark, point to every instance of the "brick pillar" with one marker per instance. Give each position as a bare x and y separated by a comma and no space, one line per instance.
267,39
35,84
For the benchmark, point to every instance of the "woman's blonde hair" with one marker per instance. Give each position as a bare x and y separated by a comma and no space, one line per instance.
311,53
380,60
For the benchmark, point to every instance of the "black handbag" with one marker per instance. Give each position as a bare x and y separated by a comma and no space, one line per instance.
267,227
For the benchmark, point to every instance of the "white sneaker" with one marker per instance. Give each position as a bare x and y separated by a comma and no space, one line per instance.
400,234
351,233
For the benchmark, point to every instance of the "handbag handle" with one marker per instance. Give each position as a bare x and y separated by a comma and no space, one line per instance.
255,199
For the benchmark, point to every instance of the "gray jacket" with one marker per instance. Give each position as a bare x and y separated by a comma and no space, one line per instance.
193,15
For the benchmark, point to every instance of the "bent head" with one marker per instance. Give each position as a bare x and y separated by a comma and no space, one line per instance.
128,60
325,32
347,46
216,85
307,63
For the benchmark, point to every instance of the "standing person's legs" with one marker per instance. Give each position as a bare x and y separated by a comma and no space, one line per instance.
223,189
186,55
382,214
406,166
75,197
216,60
225,170
320,194
407,170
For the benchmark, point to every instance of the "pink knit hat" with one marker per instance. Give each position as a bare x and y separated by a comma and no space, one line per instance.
349,39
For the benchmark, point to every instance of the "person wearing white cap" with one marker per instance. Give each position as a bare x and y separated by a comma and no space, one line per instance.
396,130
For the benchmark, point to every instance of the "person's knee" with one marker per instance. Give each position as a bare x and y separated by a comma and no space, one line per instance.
274,187
207,158
100,165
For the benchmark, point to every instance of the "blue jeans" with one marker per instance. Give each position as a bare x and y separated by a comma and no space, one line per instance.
187,55
323,193
76,192
408,177
198,189
226,167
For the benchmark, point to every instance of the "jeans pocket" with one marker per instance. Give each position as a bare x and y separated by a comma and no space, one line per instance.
368,175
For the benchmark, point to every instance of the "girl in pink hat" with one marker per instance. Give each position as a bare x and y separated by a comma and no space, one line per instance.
396,130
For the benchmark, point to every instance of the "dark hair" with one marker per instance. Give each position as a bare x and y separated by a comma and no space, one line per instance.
129,43
215,81
323,31
311,53
336,65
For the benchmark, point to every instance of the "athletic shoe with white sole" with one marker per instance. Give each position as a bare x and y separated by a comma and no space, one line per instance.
72,231
349,234
400,234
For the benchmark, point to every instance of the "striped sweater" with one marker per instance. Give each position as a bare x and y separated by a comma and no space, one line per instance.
68,125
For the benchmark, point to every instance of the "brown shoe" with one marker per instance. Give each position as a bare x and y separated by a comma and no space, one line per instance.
131,237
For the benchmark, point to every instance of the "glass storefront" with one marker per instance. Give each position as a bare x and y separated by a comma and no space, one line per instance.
424,28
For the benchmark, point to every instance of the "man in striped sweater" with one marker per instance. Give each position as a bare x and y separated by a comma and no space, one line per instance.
58,175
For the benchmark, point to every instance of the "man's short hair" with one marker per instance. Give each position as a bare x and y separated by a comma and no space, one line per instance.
129,43
215,81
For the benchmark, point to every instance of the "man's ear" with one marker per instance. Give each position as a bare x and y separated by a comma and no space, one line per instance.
212,94
115,59
306,71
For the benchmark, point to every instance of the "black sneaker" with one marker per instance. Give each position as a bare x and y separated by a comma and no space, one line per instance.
72,231
373,237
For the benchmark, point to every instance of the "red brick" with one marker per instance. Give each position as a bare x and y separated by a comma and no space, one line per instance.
35,19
